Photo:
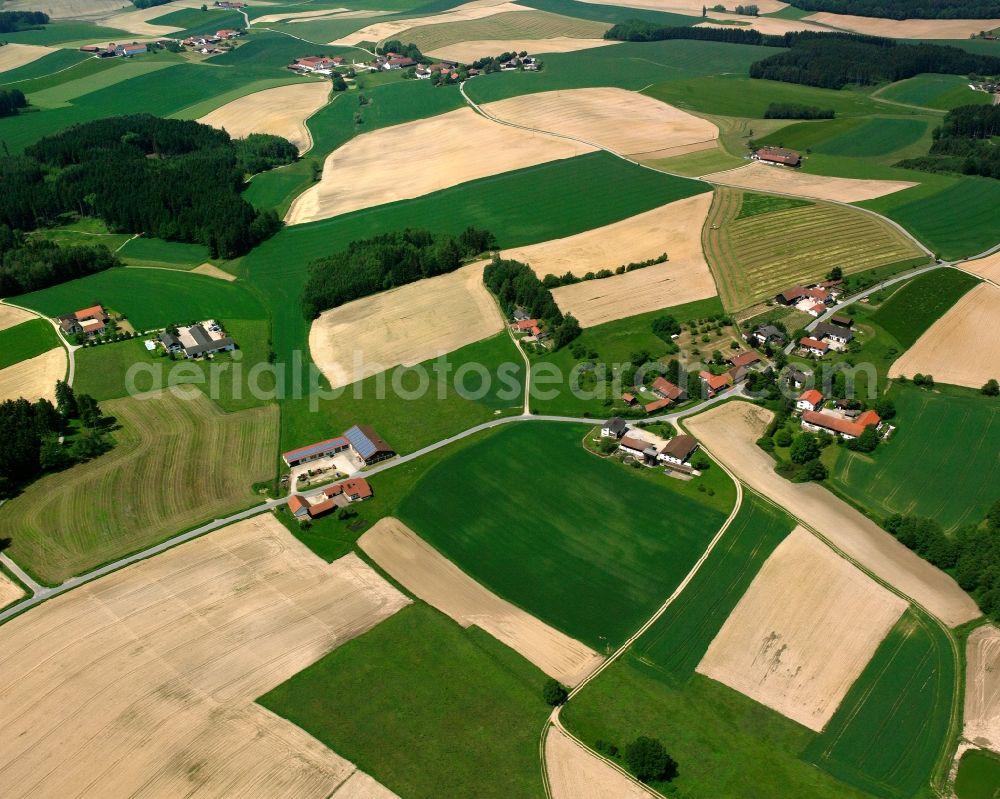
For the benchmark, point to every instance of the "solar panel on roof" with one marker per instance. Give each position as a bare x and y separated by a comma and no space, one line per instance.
361,443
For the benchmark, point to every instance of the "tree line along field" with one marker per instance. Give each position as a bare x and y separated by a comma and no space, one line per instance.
595,582
726,744
176,463
26,340
419,703
941,92
755,257
509,25
940,464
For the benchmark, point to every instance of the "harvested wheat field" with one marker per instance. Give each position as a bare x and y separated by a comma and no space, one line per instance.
175,464
138,20
622,121
381,31
281,111
11,315
14,55
905,28
770,25
66,9
982,688
987,268
527,24
761,177
210,270
577,773
729,431
143,682
406,325
962,347
418,158
803,632
467,52
674,228
9,591
425,572
34,378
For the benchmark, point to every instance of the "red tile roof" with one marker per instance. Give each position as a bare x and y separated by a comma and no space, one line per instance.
629,398
744,359
657,405
663,386
634,443
321,507
93,312
356,487
296,503
526,324
812,396
839,425
715,382
812,343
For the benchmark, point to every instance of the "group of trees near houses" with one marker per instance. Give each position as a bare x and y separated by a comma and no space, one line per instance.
516,285
971,554
388,260
32,264
963,143
11,102
13,21
30,433
173,179
906,9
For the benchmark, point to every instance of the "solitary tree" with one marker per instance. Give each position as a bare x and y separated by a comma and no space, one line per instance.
991,388
804,448
554,693
65,400
648,760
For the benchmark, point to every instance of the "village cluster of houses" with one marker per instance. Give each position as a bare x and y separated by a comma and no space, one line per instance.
92,321
195,341
339,495
649,448
327,65
114,50
204,43
813,300
839,420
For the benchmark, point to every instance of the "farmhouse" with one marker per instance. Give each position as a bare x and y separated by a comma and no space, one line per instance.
766,334
668,391
314,452
614,428
368,444
678,450
91,321
841,335
228,33
128,50
298,506
314,63
636,447
715,383
525,326
838,423
744,359
777,155
795,378
656,405
198,340
629,399
810,400
814,346
357,489
399,62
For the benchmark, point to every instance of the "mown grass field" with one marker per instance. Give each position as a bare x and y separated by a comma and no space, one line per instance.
614,343
511,25
46,65
26,340
889,734
610,14
150,298
755,257
426,708
61,95
856,138
921,302
978,775
175,464
589,546
67,30
157,252
941,463
726,744
929,90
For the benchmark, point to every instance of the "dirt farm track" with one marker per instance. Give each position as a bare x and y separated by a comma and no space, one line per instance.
143,682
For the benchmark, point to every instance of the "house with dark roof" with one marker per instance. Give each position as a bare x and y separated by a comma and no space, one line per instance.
678,450
198,340
314,452
766,334
615,427
795,378
634,446
842,320
824,330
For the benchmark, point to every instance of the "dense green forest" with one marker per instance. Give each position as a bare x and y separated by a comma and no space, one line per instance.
13,21
391,259
906,9
11,101
963,143
516,285
170,178
149,3
972,555
29,264
797,111
30,432
833,62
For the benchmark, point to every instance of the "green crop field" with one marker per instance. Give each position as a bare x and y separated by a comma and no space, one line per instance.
955,217
877,136
157,252
418,703
632,65
510,25
610,14
175,464
942,92
941,463
978,775
610,344
725,743
59,96
921,302
889,734
757,204
60,31
754,258
735,95
150,298
696,164
46,65
588,546
26,340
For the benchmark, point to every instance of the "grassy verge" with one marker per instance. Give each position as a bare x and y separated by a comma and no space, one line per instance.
417,702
